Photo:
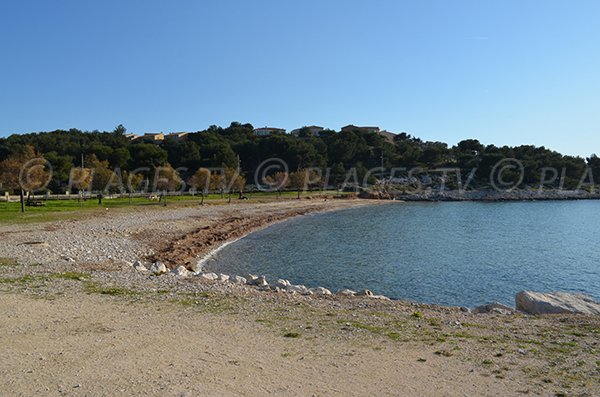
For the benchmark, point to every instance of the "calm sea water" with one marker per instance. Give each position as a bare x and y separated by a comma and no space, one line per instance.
447,253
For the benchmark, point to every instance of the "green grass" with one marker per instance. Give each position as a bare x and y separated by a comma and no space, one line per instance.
7,262
94,288
72,209
17,280
291,335
71,276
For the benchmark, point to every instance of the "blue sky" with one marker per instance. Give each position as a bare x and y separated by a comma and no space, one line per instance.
504,72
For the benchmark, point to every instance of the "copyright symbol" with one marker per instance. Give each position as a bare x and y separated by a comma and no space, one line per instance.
269,167
35,174
507,174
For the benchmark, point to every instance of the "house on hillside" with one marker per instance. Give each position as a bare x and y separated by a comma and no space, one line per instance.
156,137
388,135
177,136
313,130
267,131
352,127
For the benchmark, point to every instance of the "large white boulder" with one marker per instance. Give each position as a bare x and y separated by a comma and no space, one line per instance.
237,280
556,302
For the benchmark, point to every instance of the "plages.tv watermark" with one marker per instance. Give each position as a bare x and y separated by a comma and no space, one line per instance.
274,174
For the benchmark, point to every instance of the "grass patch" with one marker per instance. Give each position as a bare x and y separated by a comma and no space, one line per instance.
71,276
94,288
8,262
417,314
17,280
291,335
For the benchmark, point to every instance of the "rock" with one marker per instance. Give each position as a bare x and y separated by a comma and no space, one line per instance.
299,289
364,292
223,277
158,268
380,297
261,282
209,276
346,292
250,278
67,258
282,284
494,307
320,291
555,303
193,267
180,271
139,266
237,280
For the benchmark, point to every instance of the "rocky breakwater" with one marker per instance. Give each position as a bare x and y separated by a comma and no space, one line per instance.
259,282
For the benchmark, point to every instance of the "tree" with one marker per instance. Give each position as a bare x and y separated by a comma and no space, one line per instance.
301,179
200,181
167,178
24,171
278,181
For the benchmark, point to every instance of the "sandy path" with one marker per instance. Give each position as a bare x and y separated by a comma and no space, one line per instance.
98,346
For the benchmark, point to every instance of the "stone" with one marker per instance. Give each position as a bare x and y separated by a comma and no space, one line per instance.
250,278
380,297
282,284
364,292
139,266
346,292
494,307
261,282
237,280
555,303
320,291
193,267
180,271
209,276
223,277
299,289
158,268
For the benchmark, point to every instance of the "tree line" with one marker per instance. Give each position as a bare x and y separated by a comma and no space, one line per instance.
88,160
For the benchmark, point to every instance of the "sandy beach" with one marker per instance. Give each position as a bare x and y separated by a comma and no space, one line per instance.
76,319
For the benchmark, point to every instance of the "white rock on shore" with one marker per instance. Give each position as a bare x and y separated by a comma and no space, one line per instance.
180,271
299,289
346,292
139,266
320,291
554,303
237,280
158,268
209,276
282,284
494,307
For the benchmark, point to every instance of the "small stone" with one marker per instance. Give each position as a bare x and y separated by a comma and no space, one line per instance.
180,271
346,292
237,280
223,277
139,266
320,291
158,268
209,276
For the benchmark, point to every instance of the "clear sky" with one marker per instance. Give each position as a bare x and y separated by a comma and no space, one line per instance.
505,72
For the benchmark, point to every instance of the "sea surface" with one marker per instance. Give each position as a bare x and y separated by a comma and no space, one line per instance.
463,254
